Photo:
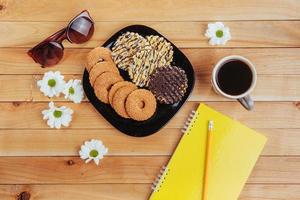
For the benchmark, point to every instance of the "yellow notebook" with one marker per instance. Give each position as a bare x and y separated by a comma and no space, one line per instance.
234,152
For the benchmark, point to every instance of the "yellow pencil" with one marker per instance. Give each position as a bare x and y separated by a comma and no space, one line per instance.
207,159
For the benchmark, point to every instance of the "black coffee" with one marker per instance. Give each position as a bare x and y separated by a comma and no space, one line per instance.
234,77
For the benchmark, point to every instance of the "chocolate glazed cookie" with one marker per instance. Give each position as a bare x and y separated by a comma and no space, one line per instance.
168,84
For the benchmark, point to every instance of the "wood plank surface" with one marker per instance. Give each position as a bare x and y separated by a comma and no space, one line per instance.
45,161
79,192
281,142
182,34
269,88
16,87
268,61
164,10
270,192
134,192
27,115
276,170
124,169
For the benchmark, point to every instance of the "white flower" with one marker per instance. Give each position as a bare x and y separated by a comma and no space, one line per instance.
217,33
52,84
57,116
74,91
92,150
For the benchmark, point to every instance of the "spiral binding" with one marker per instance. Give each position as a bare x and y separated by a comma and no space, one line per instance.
160,178
187,124
156,185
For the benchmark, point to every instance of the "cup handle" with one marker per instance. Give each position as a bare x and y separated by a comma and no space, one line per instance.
247,102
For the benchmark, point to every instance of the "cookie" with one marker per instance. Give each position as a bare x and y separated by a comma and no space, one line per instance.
98,54
146,61
142,66
126,46
100,68
140,56
168,84
140,105
103,84
163,49
115,87
119,99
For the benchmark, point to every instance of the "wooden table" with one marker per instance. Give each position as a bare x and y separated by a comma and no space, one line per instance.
44,162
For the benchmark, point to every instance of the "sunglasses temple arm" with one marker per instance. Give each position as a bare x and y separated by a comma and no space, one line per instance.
59,36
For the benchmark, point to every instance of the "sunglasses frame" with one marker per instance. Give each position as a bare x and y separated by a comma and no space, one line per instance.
60,35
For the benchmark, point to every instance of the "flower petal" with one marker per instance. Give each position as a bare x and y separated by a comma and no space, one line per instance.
88,160
219,25
96,161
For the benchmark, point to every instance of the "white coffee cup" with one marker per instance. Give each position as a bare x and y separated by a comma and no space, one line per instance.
244,98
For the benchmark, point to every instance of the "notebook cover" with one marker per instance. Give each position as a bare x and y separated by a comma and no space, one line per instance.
234,152
183,176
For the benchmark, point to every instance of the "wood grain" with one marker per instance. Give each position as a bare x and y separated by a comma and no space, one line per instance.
67,142
269,88
281,142
124,169
276,170
54,170
28,115
165,10
269,61
78,192
270,192
182,34
134,192
35,158
14,88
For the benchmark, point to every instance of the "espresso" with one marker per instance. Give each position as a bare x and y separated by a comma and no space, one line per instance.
234,77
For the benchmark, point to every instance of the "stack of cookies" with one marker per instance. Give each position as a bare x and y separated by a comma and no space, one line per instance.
110,88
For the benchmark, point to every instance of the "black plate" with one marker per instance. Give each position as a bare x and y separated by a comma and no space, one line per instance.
163,112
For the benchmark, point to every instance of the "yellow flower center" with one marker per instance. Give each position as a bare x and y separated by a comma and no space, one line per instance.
219,33
94,153
57,113
71,90
51,82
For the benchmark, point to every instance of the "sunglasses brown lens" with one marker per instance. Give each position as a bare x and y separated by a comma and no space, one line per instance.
50,51
80,30
47,54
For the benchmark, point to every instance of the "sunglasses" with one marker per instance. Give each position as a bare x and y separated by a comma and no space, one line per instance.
50,51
